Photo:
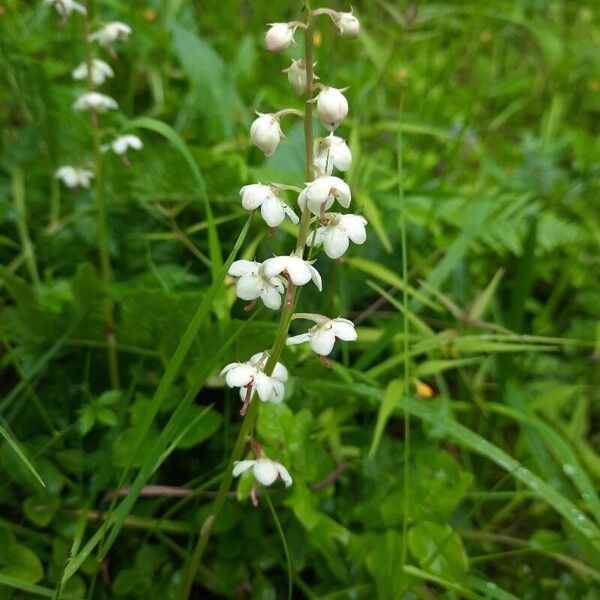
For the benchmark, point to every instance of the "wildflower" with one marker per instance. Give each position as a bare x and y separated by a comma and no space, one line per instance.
336,235
74,177
253,283
265,133
110,33
100,71
249,376
95,101
332,106
320,194
265,470
346,24
330,152
65,7
272,208
279,36
297,76
299,271
322,336
121,144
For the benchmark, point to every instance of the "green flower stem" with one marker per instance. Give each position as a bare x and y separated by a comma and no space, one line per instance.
100,207
280,337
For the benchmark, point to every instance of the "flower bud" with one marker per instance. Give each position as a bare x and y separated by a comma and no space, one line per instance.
347,24
279,37
265,133
296,73
332,107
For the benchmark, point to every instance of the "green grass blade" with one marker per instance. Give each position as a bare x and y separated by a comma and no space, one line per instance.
12,442
30,588
170,134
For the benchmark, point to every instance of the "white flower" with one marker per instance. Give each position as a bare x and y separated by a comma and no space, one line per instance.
299,271
95,101
330,152
336,235
250,376
332,107
323,335
110,33
121,144
272,208
265,133
296,73
100,71
279,36
74,177
265,470
347,24
320,194
66,7
253,283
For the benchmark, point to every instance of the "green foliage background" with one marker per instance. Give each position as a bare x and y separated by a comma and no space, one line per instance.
486,115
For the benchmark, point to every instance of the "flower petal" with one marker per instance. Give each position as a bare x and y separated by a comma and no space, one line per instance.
272,211
316,277
292,216
265,471
344,329
298,270
354,226
322,341
240,376
274,266
279,372
249,287
271,297
298,339
336,242
241,466
243,267
284,474
264,386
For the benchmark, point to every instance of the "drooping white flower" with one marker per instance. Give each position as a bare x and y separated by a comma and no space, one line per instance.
253,283
320,194
322,336
249,376
272,208
95,101
336,235
100,71
265,470
279,36
265,132
123,143
296,74
330,152
65,7
347,24
110,33
74,177
299,271
332,107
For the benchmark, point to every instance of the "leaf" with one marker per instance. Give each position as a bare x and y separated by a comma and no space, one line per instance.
439,550
383,561
203,423
395,388
16,448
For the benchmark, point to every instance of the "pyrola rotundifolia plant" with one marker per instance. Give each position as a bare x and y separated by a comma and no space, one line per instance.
93,72
277,281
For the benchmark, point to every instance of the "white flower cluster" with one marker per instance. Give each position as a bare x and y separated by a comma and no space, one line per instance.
267,281
94,73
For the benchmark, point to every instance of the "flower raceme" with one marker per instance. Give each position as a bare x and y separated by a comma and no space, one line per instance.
272,208
100,72
320,194
253,284
339,231
265,471
96,102
249,376
74,177
322,336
